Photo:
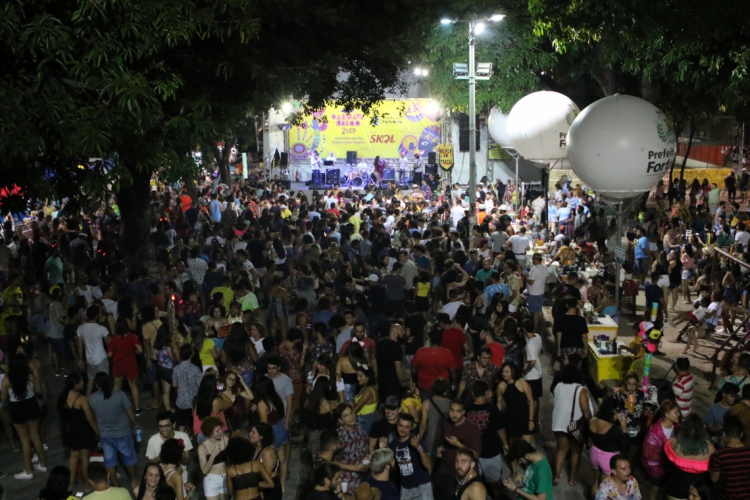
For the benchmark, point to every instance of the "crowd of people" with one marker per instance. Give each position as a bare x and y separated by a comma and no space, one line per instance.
396,338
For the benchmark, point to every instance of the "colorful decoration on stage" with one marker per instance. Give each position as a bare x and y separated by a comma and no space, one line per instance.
446,155
403,126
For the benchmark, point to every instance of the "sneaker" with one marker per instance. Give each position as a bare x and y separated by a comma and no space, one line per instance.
23,475
40,468
58,373
46,447
35,459
138,412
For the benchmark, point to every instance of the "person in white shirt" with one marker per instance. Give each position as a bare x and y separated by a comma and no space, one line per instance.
532,371
315,164
403,167
451,308
519,243
536,282
362,166
457,213
742,236
91,340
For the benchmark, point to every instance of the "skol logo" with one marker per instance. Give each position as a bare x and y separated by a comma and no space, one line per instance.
382,139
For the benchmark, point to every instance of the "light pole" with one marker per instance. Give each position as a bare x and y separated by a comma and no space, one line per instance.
473,72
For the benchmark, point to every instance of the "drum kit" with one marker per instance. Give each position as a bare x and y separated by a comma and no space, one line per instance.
358,178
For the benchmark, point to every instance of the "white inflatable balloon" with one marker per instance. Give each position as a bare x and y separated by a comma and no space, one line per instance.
620,146
538,125
497,126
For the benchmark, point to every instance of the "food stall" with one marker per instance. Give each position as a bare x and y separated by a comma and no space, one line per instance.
601,325
608,366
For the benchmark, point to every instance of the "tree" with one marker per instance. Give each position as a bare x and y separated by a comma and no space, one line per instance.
144,81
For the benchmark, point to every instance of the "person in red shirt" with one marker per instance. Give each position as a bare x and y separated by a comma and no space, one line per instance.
487,336
455,341
186,201
433,362
122,349
334,210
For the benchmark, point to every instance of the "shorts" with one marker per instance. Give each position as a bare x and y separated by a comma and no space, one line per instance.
492,468
58,347
600,460
164,374
568,351
663,281
350,391
536,388
92,370
512,308
687,274
184,417
215,485
122,445
640,266
535,302
151,377
422,304
24,411
710,328
421,492
280,435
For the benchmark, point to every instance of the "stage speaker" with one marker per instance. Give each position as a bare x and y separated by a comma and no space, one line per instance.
432,158
286,184
430,168
284,161
332,176
389,174
351,157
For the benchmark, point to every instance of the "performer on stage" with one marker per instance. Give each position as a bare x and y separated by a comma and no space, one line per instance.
378,167
331,158
403,166
362,167
316,164
418,170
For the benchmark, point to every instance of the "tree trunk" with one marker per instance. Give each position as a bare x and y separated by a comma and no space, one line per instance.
677,133
605,75
687,152
191,187
135,210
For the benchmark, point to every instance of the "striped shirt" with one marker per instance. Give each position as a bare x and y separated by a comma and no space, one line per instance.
683,392
733,466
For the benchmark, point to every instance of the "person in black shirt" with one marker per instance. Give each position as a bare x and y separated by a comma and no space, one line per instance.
327,483
383,431
389,356
416,325
488,418
376,298
571,332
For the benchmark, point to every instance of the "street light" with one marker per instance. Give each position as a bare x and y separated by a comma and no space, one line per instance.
482,71
421,72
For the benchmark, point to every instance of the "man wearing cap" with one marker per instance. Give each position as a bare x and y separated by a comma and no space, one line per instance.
413,461
383,431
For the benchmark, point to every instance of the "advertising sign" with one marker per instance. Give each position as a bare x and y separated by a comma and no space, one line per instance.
403,126
446,155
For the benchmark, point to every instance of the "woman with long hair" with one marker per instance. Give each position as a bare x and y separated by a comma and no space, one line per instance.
122,349
235,389
293,350
18,389
170,459
209,402
245,475
514,397
204,347
79,428
346,369
699,490
238,353
271,411
212,459
164,354
278,315
609,437
366,402
261,437
688,454
666,423
57,487
319,410
257,334
571,404
153,478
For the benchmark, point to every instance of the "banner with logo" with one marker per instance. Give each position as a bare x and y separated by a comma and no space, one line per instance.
446,155
409,126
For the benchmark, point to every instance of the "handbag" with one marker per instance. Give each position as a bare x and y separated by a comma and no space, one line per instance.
577,428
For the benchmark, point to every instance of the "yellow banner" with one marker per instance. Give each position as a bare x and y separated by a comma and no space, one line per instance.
405,126
446,155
